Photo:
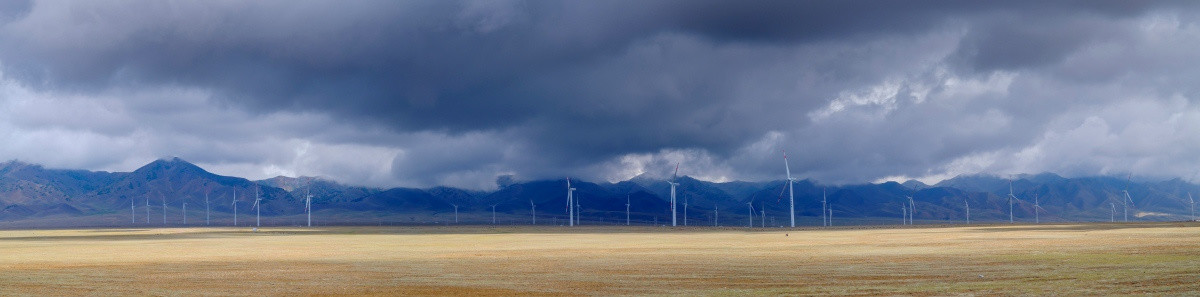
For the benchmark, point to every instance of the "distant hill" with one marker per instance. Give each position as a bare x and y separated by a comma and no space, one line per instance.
33,194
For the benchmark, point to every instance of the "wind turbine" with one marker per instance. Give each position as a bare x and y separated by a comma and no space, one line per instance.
455,213
1113,216
164,200
913,206
626,209
308,203
533,211
830,215
257,208
1128,200
235,197
904,214
968,211
1011,197
673,184
578,212
185,212
763,210
570,203
132,211
206,209
791,192
1036,206
751,205
147,208
493,214
824,207
716,216
1193,202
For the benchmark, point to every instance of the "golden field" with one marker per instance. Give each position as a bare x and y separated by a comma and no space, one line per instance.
983,260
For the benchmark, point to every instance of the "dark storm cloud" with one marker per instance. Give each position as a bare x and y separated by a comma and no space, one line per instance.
472,89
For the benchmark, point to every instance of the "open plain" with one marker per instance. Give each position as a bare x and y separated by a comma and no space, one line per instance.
1061,259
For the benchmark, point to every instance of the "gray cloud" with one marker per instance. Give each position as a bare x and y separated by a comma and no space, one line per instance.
460,92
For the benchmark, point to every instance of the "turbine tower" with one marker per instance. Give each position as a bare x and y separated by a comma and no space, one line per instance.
147,208
904,214
824,207
1193,203
626,209
913,209
206,209
716,216
673,185
1128,200
235,198
493,214
164,201
1113,216
132,211
455,213
1011,197
308,204
968,212
533,211
751,205
570,204
257,208
791,191
1036,205
185,212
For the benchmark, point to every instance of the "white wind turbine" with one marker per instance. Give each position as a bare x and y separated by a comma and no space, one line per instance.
1128,200
830,215
904,214
1112,216
626,209
1011,197
751,206
825,221
308,204
533,211
673,185
1193,203
455,213
185,212
968,212
716,216
235,200
257,208
164,201
570,203
913,209
1036,206
147,208
791,192
206,209
578,212
493,214
132,211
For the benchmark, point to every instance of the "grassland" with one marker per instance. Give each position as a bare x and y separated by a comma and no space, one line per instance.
1041,260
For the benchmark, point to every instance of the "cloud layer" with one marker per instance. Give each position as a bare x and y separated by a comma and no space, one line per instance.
427,93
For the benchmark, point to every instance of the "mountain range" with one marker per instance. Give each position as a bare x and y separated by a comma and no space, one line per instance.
156,194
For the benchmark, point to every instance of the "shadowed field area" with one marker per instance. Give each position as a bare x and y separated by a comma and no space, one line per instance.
1081,259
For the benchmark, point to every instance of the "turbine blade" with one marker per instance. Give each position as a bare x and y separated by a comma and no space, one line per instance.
780,199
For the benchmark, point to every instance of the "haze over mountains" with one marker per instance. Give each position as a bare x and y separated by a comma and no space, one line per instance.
34,196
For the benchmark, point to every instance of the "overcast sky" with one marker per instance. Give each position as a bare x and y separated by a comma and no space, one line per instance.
424,93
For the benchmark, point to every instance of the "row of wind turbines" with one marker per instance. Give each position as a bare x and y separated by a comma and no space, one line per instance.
908,210
573,208
256,207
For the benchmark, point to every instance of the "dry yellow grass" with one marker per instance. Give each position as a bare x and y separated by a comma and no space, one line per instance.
1092,259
